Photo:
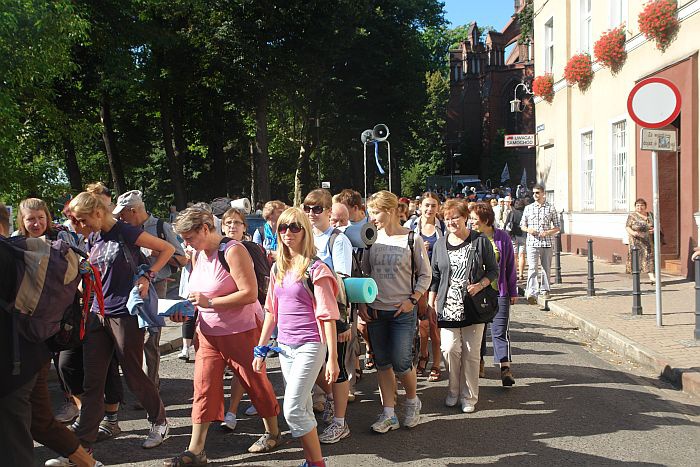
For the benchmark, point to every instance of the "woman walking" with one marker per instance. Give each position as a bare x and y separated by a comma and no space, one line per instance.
640,228
227,330
463,265
398,263
306,325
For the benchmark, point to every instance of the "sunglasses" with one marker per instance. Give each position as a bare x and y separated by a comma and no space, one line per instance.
234,223
315,209
293,227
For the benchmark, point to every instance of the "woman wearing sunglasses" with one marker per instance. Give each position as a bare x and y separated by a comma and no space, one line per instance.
227,330
306,325
402,273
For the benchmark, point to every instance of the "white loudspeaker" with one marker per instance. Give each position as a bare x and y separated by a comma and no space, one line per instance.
380,132
361,235
242,203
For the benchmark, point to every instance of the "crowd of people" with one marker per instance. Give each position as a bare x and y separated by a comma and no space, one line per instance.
430,257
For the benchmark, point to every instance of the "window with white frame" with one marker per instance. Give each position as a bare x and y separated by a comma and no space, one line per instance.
587,198
618,12
619,165
548,45
586,26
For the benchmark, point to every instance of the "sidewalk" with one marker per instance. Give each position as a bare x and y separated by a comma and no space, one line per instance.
670,350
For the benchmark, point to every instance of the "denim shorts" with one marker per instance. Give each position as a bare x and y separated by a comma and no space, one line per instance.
392,339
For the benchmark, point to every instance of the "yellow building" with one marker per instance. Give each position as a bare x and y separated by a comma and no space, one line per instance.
588,154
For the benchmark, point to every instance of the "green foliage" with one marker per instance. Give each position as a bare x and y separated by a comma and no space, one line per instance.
526,20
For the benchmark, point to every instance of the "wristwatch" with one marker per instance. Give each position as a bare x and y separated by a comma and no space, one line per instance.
210,303
413,300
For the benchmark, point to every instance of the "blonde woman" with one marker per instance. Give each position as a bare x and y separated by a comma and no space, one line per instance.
227,330
114,249
397,261
306,325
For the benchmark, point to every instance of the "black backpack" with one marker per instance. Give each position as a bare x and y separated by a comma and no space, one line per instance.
512,223
160,233
261,265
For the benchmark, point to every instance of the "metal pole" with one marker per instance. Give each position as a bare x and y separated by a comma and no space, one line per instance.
697,299
557,258
365,165
591,283
657,234
388,147
636,287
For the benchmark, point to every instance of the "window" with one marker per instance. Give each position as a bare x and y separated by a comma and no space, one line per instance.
586,26
549,45
619,165
618,12
457,73
587,170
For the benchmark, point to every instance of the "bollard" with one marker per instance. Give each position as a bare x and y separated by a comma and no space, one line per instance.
557,259
591,283
636,287
697,299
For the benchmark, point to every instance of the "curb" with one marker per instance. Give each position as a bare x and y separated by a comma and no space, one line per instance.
170,346
687,381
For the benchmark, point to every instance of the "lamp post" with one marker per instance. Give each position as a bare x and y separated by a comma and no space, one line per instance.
515,104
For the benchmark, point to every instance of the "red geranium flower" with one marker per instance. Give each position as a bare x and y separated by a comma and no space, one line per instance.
609,50
659,22
579,70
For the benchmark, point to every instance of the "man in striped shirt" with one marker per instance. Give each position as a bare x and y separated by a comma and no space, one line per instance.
541,222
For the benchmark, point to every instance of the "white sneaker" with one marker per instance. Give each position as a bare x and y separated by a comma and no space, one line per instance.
67,413
334,433
156,436
412,414
467,407
384,423
59,462
184,354
328,411
250,411
229,421
451,401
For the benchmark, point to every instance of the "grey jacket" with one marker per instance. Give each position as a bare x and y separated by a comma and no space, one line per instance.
483,264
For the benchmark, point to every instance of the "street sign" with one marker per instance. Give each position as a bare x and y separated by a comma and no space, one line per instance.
326,185
514,141
654,102
659,140
540,128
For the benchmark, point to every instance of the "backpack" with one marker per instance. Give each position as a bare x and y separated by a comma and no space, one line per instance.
220,205
46,305
512,223
260,264
160,233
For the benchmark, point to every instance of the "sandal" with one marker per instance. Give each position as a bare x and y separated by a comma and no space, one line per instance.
188,459
434,375
422,363
369,361
266,443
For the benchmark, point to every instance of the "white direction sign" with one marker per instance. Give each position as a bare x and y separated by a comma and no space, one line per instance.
659,140
654,102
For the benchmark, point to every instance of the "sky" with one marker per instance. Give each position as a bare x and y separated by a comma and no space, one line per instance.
494,13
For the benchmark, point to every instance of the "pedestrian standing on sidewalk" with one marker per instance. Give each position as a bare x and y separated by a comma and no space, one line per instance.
306,325
461,255
541,223
483,220
227,330
640,228
398,263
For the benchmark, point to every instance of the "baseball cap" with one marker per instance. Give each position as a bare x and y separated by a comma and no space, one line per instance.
130,198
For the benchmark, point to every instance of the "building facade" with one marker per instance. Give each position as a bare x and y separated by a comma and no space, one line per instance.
588,154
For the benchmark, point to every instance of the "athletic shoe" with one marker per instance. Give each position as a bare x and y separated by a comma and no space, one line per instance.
250,411
451,401
467,407
532,299
306,463
65,462
67,413
229,421
107,430
156,436
334,433
328,411
412,414
507,376
184,354
384,423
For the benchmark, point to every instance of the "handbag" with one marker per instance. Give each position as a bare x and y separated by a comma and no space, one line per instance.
482,306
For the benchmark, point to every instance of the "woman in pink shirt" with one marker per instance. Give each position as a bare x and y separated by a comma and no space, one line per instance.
306,325
227,331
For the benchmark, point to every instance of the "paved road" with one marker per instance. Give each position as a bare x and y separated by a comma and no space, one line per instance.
574,403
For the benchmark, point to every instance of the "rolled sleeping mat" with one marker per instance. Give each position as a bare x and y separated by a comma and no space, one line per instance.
242,203
360,289
361,235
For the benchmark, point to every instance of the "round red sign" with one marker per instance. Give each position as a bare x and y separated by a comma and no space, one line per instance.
654,102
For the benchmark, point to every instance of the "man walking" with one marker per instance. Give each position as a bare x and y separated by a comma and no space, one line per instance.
541,222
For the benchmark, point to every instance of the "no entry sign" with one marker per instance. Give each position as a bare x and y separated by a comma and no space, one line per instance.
654,102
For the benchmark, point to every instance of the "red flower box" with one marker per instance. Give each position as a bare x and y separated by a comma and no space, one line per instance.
609,50
543,86
659,22
579,70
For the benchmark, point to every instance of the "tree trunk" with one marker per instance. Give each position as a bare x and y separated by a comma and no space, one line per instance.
72,167
253,194
302,174
180,147
262,157
115,166
215,144
173,164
